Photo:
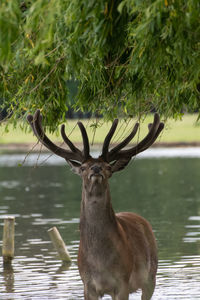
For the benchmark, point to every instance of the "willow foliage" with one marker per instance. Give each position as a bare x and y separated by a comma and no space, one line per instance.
126,57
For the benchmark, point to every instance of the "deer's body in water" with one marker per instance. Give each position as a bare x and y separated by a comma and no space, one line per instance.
117,252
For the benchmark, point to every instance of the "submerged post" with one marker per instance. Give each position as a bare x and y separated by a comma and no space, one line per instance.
59,244
8,239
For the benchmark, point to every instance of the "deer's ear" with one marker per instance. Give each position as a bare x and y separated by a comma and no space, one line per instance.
75,166
120,164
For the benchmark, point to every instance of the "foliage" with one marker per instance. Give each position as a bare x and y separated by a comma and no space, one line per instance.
126,57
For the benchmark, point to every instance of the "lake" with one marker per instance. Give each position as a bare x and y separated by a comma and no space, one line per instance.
43,193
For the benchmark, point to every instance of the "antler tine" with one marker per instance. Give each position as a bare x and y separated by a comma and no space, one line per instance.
154,131
30,120
86,146
160,128
67,140
148,140
125,141
108,139
35,122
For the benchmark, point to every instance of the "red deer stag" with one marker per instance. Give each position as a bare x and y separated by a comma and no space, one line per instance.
117,252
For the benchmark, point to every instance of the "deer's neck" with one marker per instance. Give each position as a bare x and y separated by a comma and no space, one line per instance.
97,215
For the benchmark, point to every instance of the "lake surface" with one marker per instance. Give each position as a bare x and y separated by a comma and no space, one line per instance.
165,190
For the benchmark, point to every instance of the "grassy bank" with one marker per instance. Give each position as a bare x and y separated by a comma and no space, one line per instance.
186,131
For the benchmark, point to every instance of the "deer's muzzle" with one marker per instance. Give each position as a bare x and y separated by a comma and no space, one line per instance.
96,172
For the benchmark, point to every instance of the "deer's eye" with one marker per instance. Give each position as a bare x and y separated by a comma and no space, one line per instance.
82,168
108,168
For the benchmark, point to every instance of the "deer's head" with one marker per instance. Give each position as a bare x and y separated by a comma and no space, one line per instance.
96,170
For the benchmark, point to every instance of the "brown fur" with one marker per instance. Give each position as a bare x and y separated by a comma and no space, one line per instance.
117,253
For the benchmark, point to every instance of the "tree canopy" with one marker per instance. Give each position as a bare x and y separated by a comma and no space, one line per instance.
125,56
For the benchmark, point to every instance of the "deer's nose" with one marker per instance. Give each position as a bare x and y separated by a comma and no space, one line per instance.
96,169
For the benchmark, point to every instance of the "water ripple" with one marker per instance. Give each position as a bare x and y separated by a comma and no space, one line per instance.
43,277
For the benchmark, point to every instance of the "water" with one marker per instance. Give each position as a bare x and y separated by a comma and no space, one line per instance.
166,191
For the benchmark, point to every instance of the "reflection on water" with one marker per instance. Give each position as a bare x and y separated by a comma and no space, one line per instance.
165,191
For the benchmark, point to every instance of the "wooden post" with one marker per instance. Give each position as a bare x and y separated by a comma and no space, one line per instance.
8,240
59,244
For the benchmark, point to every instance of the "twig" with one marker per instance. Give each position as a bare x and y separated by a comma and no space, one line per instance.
51,71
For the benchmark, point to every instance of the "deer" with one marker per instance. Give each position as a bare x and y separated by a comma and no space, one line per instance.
117,251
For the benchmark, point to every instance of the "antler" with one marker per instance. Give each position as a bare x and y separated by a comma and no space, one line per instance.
75,154
117,153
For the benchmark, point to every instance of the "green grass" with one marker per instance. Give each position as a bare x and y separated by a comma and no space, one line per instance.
186,130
